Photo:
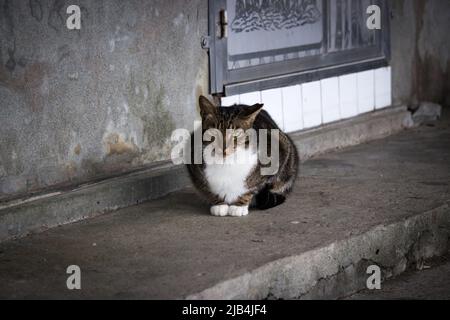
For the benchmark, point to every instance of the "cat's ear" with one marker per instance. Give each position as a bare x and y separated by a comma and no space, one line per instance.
207,108
249,114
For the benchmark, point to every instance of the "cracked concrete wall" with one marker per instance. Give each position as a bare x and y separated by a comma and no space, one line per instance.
81,104
420,43
77,105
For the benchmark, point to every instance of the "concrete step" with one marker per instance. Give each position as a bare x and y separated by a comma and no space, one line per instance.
382,203
49,208
430,282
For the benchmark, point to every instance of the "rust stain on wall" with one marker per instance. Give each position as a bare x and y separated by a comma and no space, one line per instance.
77,149
71,170
116,145
28,83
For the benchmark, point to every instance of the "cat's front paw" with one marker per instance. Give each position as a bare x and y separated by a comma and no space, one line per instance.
236,211
220,210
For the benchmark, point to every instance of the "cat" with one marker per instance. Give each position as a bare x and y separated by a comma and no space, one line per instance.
232,188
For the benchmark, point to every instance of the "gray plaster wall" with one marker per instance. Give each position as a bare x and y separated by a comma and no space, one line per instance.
420,42
81,104
78,105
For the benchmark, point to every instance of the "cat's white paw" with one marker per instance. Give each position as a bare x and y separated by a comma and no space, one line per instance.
236,211
219,210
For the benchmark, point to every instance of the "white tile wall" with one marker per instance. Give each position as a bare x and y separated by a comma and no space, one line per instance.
229,101
330,99
348,95
273,104
250,98
366,92
383,96
311,104
292,108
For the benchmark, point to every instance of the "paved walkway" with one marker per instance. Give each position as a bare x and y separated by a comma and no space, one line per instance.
171,247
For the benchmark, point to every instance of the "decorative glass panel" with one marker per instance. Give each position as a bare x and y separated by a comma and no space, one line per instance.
262,44
262,32
347,25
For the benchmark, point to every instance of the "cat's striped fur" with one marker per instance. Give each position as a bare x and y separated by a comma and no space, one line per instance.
231,189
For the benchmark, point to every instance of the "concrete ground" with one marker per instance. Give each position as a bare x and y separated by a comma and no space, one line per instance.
430,283
172,248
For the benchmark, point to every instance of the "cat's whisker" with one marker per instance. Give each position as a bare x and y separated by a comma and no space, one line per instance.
232,173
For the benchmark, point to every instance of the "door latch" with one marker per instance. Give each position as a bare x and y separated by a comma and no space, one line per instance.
205,42
223,22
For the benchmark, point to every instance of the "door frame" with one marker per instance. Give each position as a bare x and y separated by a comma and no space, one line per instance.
224,82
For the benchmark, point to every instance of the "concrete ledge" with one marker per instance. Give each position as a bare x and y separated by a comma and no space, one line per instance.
338,270
341,134
23,216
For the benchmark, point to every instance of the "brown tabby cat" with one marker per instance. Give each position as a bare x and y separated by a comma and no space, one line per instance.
233,188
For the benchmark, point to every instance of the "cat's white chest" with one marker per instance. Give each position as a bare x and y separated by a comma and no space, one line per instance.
228,180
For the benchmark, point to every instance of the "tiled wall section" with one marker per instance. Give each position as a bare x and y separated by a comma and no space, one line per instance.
328,100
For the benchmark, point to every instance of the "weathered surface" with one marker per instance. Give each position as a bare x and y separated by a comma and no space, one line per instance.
420,44
23,216
339,269
361,129
19,217
427,112
432,282
80,104
384,202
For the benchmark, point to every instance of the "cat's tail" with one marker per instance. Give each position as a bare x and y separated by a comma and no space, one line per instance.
266,199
